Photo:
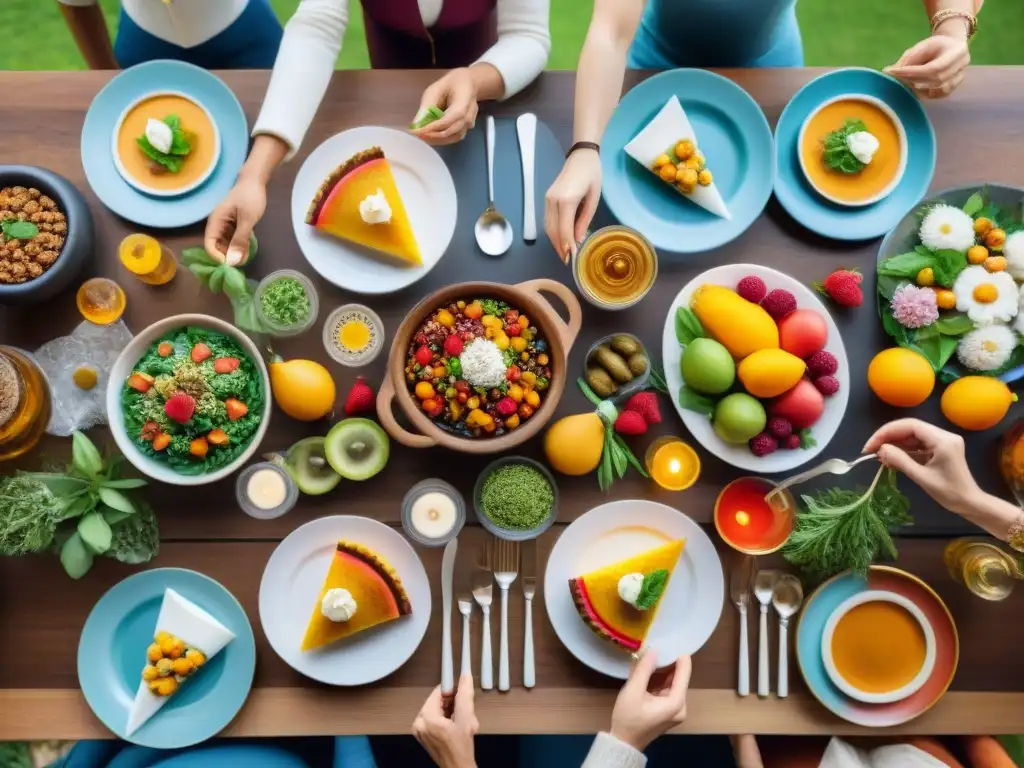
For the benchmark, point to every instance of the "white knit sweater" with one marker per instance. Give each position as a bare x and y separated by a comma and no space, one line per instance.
608,752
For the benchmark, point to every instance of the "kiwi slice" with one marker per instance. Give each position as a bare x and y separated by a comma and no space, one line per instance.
306,462
425,117
357,449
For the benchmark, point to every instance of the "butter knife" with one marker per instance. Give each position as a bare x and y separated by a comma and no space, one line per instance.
447,577
526,128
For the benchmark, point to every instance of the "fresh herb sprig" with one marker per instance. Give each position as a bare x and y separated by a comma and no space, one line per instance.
650,591
18,230
181,146
616,456
223,278
843,529
838,156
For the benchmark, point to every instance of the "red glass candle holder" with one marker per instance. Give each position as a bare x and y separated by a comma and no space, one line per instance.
747,522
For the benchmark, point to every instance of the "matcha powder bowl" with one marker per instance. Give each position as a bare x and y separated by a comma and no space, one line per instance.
516,498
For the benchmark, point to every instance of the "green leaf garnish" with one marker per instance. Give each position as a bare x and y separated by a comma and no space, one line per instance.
954,324
688,327
651,590
18,230
806,440
837,152
181,146
693,401
973,204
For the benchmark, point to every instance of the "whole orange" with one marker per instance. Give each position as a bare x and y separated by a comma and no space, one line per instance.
976,402
901,377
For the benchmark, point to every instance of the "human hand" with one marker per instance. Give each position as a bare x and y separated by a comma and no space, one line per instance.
571,202
935,66
944,475
646,708
229,228
456,94
449,742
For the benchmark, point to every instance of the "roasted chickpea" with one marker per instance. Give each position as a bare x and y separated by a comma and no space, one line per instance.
46,258
34,193
688,179
19,269
16,191
32,206
60,228
34,270
47,203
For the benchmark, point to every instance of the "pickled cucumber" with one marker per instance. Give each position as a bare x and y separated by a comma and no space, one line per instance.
638,363
613,363
625,345
599,381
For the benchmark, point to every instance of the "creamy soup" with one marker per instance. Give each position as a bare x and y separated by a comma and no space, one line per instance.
878,647
194,120
876,176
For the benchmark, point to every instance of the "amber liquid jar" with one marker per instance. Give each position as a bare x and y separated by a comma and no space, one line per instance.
24,403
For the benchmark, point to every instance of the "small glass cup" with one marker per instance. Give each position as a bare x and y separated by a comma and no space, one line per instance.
291,495
418,491
334,331
277,329
101,301
672,463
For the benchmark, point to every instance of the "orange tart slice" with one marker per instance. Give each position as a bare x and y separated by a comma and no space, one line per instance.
601,596
359,202
361,591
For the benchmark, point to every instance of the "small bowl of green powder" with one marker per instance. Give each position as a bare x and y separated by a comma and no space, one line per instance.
516,498
286,303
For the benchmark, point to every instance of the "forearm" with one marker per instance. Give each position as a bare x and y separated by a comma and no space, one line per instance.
521,52
89,29
746,752
267,153
490,85
989,512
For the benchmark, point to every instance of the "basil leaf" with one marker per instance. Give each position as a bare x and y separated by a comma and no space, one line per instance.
947,346
217,280
692,401
197,255
948,264
954,324
76,507
95,533
234,282
652,589
75,557
116,500
907,265
973,204
125,484
84,455
61,486
19,230
688,327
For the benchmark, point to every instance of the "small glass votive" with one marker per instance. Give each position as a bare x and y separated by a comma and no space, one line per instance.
265,491
672,463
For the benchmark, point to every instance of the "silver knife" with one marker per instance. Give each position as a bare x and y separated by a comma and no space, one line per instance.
529,568
447,576
526,128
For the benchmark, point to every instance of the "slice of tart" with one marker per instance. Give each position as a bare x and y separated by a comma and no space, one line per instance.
359,202
185,638
619,602
655,149
361,591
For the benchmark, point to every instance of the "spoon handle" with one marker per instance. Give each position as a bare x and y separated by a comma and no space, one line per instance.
490,161
526,128
783,689
743,689
762,655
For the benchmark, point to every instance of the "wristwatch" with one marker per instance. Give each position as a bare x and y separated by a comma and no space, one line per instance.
1015,536
584,145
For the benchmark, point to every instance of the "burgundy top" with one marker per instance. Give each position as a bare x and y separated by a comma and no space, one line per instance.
398,39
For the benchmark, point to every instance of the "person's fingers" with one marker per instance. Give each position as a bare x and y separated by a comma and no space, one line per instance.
898,459
681,678
585,215
433,95
551,220
458,102
640,674
948,88
419,727
567,207
238,248
219,228
464,697
915,54
433,707
934,70
902,430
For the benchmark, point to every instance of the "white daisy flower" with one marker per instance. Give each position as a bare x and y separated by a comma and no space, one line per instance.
947,227
1018,324
986,297
1013,250
987,348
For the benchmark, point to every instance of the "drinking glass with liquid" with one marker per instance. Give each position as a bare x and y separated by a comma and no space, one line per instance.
148,259
983,567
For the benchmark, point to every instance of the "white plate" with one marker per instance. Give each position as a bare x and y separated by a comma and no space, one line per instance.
292,582
427,190
691,605
700,426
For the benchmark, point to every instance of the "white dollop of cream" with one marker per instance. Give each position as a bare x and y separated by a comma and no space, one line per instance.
375,209
338,605
863,145
159,135
630,586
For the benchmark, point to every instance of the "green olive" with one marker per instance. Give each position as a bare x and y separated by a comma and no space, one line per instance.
638,363
599,381
613,363
625,345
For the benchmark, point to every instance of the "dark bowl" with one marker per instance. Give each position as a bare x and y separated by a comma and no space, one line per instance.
78,244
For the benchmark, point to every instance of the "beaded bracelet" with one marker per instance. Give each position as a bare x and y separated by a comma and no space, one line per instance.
952,13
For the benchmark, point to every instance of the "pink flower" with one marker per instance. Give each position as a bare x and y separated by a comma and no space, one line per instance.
914,307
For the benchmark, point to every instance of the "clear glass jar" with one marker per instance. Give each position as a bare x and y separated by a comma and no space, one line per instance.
24,403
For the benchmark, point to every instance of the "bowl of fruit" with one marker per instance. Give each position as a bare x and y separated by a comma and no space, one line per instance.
479,367
756,367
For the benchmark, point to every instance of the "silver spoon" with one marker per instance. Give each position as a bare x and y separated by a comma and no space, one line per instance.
829,467
764,588
787,598
493,231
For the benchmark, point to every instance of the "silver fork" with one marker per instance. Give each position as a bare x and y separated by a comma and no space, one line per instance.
830,467
483,586
506,565
465,608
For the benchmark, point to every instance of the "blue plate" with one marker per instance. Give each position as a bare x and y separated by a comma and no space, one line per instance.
733,135
120,93
840,222
112,653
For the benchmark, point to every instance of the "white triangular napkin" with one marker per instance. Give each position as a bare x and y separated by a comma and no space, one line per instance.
668,127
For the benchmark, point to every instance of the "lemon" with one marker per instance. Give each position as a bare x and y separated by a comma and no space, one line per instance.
976,402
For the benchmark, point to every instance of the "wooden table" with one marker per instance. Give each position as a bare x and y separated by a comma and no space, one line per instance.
43,611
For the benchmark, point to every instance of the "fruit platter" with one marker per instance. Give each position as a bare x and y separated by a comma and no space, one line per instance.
756,367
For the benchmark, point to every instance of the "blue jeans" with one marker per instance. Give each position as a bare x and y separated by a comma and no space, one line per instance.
251,42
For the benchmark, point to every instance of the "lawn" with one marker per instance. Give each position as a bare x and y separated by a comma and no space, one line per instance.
864,32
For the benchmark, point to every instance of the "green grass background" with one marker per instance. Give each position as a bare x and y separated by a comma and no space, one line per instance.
869,33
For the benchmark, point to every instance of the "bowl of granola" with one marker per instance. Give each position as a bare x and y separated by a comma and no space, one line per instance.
46,234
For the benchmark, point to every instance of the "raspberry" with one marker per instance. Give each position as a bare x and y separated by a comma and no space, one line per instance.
752,288
763,444
822,363
779,428
779,303
791,443
827,385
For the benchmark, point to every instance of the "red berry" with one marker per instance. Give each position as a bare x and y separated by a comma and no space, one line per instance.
646,404
822,363
360,398
827,385
513,330
180,407
630,423
752,288
843,287
763,444
779,303
779,427
424,355
507,406
791,443
453,345
513,373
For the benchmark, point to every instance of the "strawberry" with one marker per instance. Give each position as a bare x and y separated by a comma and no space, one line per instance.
424,355
200,352
360,397
140,382
225,364
180,407
218,437
646,404
630,423
453,345
236,408
166,349
843,287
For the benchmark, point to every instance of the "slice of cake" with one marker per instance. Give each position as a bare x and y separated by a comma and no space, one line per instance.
668,147
619,602
185,638
361,591
359,202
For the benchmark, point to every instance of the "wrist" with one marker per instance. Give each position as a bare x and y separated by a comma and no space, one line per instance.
956,28
267,153
630,740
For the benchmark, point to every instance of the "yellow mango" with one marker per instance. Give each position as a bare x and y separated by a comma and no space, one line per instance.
770,372
573,444
741,326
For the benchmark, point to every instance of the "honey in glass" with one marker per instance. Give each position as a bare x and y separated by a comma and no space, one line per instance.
148,259
616,267
101,301
983,567
24,403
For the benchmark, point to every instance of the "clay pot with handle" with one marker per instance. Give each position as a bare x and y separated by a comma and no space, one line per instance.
527,298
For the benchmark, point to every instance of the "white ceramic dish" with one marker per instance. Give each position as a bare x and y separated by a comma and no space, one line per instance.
139,185
691,605
701,427
292,582
873,596
123,367
900,130
427,190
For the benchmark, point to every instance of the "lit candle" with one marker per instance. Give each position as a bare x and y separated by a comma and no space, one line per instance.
672,464
747,522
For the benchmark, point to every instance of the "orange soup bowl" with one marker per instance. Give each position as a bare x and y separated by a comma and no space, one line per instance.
878,647
747,522
880,177
135,167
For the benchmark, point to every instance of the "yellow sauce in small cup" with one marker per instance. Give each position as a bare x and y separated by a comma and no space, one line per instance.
616,266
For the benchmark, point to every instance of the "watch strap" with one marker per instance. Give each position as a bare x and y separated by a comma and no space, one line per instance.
584,145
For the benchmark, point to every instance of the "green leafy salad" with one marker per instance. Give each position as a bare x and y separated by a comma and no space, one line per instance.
838,156
181,146
194,401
